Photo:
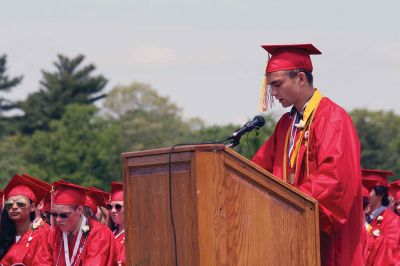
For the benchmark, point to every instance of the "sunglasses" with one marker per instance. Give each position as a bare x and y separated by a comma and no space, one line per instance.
63,215
117,206
20,204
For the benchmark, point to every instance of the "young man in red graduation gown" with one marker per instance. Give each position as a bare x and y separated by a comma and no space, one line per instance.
116,208
21,239
315,148
77,240
384,224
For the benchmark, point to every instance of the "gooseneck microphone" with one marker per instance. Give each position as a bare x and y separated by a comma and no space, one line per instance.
257,122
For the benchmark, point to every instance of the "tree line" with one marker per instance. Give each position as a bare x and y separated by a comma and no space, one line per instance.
71,129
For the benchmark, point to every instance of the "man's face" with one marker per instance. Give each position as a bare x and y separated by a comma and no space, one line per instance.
68,217
284,88
374,199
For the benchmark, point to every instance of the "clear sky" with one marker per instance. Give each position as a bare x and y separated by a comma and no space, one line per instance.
206,55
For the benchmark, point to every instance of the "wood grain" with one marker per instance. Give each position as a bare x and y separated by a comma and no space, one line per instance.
227,211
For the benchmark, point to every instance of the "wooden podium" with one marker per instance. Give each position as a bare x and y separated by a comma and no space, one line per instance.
226,211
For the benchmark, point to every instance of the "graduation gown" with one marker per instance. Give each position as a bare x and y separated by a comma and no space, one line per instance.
383,239
32,243
334,179
120,249
97,247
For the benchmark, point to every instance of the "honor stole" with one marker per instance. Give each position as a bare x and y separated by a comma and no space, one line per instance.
290,157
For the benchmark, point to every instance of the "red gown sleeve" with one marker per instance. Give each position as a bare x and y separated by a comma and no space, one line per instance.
337,179
120,250
43,254
28,250
265,156
379,254
101,247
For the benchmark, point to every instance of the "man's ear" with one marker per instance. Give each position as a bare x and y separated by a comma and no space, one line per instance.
302,78
80,209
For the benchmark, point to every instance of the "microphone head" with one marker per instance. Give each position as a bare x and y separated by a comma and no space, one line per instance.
258,121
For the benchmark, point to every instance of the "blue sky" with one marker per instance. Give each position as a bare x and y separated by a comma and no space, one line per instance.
206,55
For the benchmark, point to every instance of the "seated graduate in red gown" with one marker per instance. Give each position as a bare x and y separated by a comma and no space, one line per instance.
394,196
383,224
21,239
117,223
40,217
95,204
77,240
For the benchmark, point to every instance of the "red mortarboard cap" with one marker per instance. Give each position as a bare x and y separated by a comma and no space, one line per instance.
25,187
101,197
117,191
394,189
96,197
372,178
46,186
290,56
365,192
41,183
89,202
68,194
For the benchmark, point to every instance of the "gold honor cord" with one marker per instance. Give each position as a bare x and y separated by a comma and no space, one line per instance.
304,125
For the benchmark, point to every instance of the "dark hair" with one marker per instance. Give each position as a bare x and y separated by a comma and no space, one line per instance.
88,212
111,224
8,231
295,72
382,191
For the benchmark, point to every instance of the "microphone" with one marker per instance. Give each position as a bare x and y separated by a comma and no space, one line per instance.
257,122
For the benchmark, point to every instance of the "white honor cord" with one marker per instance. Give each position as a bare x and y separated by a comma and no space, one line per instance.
69,262
120,233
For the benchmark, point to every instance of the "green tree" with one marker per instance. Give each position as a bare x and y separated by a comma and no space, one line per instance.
147,119
12,160
70,83
379,134
6,84
249,143
80,147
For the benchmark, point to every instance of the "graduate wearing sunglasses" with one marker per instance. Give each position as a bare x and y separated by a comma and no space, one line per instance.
21,240
76,239
117,223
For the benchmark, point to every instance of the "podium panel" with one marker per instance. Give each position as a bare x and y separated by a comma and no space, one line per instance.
226,211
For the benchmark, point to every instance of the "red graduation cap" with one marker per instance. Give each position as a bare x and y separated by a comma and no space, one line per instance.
46,186
394,189
96,197
290,56
284,57
25,187
372,178
117,191
365,192
68,193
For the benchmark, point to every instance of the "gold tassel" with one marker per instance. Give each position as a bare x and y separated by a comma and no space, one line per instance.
266,98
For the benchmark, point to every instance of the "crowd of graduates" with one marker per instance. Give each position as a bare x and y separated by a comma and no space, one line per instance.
61,224
381,203
65,224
